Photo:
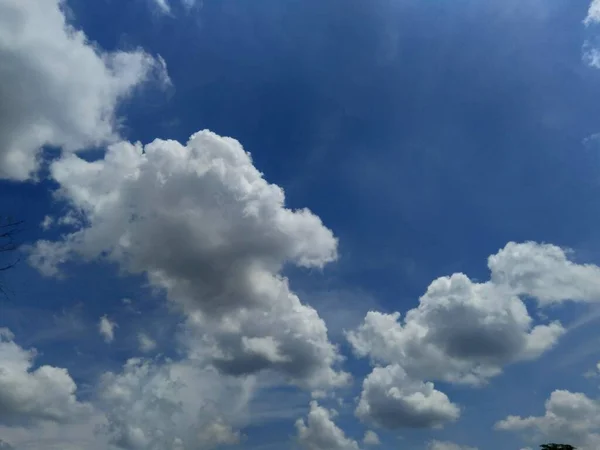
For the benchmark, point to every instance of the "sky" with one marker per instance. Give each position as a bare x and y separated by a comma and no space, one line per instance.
300,224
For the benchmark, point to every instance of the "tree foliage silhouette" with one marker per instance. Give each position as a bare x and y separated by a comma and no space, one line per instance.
9,228
557,447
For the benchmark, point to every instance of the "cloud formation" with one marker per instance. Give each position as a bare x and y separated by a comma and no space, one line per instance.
106,327
570,417
28,396
371,438
58,89
154,405
466,332
392,400
204,225
445,445
593,15
319,432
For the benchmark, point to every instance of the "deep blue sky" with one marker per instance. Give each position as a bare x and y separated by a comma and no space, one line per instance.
425,134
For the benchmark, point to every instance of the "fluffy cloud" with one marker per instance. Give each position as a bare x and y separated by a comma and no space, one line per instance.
57,88
147,344
461,332
593,15
106,327
544,272
392,400
168,405
203,224
445,445
465,332
319,432
371,438
26,395
570,417
218,434
58,436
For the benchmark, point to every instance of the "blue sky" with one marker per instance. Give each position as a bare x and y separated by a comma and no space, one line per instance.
423,136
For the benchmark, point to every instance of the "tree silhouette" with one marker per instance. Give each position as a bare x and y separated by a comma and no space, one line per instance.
557,447
9,228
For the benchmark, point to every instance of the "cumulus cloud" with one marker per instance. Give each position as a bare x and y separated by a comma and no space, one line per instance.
569,417
461,332
371,438
57,88
593,15
169,405
106,327
28,395
392,400
45,435
445,445
465,332
319,432
147,344
203,224
218,434
543,271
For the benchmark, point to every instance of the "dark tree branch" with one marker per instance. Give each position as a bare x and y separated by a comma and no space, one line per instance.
9,229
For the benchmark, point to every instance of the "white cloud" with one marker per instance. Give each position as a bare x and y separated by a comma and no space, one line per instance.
445,445
392,400
26,395
591,55
461,332
147,344
58,436
218,434
163,6
319,432
570,417
593,15
593,373
543,271
47,223
202,222
371,438
466,332
58,89
106,327
170,405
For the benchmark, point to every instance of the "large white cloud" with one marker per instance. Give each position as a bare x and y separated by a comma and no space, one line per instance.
466,332
319,432
570,417
30,395
202,222
392,400
57,88
169,405
461,332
